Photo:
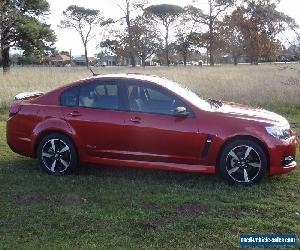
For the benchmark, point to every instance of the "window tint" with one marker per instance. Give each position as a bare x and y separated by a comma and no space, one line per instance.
152,100
99,95
70,97
157,96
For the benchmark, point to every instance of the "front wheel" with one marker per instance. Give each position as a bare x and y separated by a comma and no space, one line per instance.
243,162
57,154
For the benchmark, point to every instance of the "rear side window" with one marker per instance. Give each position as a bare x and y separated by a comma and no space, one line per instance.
70,98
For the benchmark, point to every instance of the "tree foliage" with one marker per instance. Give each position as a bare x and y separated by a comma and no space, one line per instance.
128,7
232,37
167,14
116,47
146,40
84,21
21,27
209,21
260,23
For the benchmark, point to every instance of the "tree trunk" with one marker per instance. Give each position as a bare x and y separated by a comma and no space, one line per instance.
5,59
211,58
185,59
211,46
211,36
86,55
235,60
207,55
131,47
254,60
144,61
167,46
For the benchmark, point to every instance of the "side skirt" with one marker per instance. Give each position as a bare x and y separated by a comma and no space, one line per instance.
152,165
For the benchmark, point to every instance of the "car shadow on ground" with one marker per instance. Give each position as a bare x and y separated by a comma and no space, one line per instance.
24,165
21,167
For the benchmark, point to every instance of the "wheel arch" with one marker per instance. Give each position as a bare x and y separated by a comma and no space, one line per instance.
243,137
45,133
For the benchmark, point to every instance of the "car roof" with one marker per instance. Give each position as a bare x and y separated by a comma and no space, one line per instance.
136,76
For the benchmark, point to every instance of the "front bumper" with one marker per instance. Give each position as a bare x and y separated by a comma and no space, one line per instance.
283,157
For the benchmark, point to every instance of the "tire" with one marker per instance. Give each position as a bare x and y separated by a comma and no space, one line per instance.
243,162
57,154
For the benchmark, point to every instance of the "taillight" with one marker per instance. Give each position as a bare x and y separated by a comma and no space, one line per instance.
14,108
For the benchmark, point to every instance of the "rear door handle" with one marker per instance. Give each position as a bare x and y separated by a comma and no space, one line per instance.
136,120
74,114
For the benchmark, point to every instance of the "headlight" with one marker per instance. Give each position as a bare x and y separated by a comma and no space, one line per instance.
281,133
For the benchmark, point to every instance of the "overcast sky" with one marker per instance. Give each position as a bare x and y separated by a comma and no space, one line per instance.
69,39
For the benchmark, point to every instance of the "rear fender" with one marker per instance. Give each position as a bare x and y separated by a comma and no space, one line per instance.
53,125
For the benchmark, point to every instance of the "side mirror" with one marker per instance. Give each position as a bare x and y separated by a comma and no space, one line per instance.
181,112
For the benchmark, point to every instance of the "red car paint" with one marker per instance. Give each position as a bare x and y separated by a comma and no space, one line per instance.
146,140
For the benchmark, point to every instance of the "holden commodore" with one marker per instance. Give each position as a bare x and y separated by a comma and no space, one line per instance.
144,121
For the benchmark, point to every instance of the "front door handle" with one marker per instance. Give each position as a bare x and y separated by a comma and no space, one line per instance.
75,114
136,120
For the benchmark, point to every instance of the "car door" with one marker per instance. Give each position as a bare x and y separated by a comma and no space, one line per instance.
97,118
155,134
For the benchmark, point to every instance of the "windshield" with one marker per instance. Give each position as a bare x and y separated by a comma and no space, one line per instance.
186,94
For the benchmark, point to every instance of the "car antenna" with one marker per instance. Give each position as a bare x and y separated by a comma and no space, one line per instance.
93,72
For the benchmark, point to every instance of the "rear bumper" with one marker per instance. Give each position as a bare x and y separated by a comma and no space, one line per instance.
18,142
283,157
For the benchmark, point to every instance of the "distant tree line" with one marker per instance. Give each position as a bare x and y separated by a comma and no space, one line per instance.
237,28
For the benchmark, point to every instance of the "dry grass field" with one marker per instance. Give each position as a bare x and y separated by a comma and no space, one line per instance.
264,85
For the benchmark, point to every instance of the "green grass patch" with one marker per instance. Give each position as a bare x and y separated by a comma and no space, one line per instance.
101,207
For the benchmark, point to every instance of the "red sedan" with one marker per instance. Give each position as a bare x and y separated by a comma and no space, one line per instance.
148,122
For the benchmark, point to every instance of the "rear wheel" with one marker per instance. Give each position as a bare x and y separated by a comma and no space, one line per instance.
57,154
243,162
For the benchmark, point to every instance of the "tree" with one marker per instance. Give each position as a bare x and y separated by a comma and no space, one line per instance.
216,9
260,24
20,27
127,7
185,35
232,36
84,21
116,47
183,44
146,41
292,53
167,15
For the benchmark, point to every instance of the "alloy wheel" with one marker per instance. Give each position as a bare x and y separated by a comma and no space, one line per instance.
56,156
243,164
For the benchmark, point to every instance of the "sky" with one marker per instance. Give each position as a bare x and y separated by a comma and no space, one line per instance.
69,40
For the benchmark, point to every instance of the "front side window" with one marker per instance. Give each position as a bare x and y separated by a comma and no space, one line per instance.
150,99
99,95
